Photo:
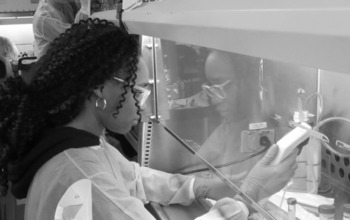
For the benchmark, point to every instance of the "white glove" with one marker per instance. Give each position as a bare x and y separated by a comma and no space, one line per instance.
265,179
212,188
226,209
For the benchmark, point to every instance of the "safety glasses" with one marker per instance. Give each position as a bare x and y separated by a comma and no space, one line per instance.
216,91
141,94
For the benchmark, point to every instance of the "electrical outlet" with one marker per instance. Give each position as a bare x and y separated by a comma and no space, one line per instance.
253,140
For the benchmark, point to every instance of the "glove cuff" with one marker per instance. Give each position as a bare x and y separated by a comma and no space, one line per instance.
201,187
251,189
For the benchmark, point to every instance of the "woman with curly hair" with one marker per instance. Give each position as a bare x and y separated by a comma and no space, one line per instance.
51,131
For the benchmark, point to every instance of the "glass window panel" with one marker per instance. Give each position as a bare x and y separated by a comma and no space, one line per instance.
230,108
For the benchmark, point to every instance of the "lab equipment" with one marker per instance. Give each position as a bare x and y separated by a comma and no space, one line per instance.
291,208
346,211
340,148
291,140
274,88
301,208
326,212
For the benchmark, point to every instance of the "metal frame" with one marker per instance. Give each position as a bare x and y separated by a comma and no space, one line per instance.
313,33
145,141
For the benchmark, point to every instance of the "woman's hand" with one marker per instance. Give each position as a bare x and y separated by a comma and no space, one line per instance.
266,179
226,209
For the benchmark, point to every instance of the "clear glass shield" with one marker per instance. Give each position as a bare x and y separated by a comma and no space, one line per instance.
229,108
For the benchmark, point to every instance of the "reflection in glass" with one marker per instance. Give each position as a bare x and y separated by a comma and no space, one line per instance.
230,108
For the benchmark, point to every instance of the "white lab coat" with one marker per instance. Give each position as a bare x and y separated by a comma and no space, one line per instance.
119,187
51,18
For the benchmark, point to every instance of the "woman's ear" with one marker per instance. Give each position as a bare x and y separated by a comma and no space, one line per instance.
98,91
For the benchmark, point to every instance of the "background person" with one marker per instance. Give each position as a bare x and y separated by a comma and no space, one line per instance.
232,90
51,132
53,17
8,52
5,68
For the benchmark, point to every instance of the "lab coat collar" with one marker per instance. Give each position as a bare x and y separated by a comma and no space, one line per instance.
52,143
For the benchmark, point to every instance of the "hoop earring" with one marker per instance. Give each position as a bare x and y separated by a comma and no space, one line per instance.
98,102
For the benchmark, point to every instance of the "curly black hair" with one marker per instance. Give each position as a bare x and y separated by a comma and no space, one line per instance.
85,56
